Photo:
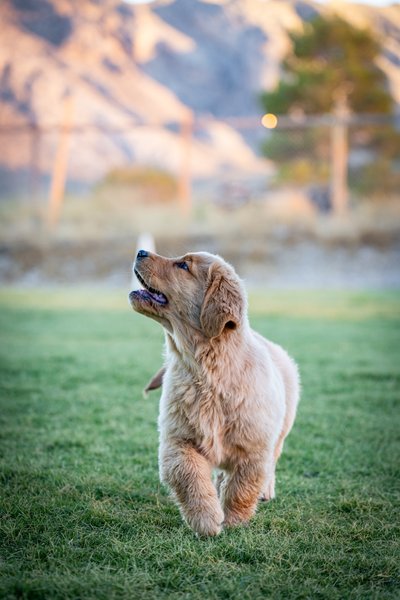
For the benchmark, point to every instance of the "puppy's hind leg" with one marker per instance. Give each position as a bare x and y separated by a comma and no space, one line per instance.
188,474
219,479
268,492
268,489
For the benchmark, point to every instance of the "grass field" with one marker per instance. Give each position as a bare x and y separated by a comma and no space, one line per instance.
83,513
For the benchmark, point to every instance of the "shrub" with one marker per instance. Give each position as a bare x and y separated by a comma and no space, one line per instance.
151,184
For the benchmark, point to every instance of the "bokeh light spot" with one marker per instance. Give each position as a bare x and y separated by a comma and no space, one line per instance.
269,121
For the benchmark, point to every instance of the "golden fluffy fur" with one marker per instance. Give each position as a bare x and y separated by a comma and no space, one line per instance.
229,395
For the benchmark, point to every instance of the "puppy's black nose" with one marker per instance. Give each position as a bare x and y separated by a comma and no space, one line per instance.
142,254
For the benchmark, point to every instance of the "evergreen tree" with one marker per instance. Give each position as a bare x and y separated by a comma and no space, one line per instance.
329,60
329,57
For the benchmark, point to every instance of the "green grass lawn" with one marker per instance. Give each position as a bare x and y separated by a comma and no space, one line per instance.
83,513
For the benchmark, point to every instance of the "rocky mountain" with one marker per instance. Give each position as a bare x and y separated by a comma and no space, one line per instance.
134,73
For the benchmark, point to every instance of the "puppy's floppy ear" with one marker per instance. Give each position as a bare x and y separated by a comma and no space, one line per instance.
223,303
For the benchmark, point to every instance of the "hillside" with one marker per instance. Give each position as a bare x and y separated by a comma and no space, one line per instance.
133,71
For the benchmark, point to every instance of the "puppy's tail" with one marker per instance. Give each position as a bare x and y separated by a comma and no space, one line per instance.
155,382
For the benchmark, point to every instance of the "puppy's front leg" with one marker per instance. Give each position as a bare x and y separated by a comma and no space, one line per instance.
188,474
240,491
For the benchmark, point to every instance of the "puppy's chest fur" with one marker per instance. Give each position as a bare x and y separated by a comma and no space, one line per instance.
214,420
208,413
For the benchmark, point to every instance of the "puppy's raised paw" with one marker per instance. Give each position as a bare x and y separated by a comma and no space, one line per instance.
206,523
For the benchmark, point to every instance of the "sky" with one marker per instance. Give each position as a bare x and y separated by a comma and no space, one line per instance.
371,2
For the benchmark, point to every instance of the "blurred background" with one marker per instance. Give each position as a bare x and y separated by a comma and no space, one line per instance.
264,130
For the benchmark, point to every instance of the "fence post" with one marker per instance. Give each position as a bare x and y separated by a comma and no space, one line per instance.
339,149
59,174
185,174
34,168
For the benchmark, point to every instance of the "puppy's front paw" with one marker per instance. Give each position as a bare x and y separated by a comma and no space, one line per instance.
233,519
206,523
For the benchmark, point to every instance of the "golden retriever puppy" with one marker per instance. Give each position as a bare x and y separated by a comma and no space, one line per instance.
229,396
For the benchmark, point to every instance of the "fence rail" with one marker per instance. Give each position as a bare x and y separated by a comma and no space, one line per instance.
327,136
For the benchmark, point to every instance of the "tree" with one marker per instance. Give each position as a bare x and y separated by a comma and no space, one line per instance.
331,63
328,57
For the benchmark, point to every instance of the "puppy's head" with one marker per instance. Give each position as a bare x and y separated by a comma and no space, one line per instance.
196,293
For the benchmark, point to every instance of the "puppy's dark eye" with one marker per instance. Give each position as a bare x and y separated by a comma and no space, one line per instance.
182,265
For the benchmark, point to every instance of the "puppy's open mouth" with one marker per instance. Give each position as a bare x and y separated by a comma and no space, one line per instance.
150,293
